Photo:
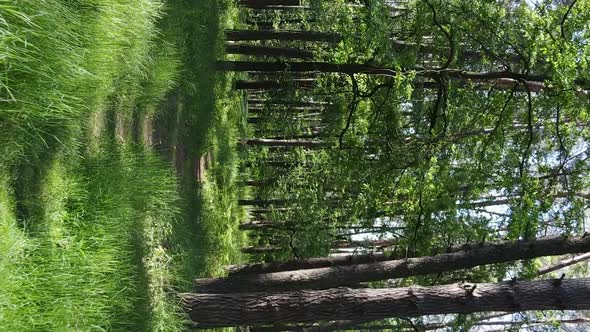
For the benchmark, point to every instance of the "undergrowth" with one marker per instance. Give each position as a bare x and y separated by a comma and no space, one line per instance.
97,233
91,255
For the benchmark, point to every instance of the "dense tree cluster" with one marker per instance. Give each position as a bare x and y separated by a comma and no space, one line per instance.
397,130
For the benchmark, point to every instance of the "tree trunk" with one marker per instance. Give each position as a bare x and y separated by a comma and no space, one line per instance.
522,323
261,202
282,21
254,101
257,225
259,50
262,4
564,263
262,25
239,35
298,137
276,75
323,278
284,143
220,310
273,163
260,250
433,326
322,67
354,68
259,183
267,210
320,262
362,325
255,120
364,244
274,84
294,109
310,263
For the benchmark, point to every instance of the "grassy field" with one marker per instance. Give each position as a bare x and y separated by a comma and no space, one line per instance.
98,230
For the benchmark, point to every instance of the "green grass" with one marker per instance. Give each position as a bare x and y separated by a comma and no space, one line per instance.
97,233
63,61
210,237
204,119
88,263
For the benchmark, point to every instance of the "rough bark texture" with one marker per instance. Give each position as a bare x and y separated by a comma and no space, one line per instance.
284,143
260,250
274,84
267,210
277,75
253,101
323,67
319,262
364,244
323,278
363,325
218,310
258,225
310,263
262,4
353,68
238,35
259,183
262,202
259,50
292,109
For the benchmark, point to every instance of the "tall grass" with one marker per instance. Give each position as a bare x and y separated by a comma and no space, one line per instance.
93,256
82,230
204,121
61,61
92,236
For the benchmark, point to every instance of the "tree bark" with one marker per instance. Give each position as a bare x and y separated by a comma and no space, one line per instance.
436,326
564,263
267,210
240,35
354,68
262,4
259,50
274,84
362,325
254,101
257,225
260,250
294,109
284,143
323,67
220,310
261,202
299,137
259,183
280,75
323,278
364,244
310,263
320,262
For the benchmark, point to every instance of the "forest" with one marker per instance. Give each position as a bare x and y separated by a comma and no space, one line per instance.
295,165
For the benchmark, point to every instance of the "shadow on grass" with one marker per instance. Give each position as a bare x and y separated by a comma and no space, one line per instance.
195,119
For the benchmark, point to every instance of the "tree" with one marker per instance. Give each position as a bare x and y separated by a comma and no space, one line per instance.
350,275
220,310
271,51
309,36
262,4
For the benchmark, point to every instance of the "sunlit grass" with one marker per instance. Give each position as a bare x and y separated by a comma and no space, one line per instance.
96,232
93,256
65,60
